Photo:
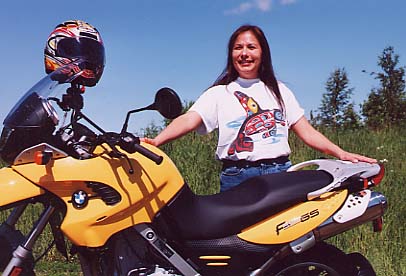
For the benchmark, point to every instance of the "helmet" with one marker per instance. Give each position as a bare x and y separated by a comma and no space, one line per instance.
76,40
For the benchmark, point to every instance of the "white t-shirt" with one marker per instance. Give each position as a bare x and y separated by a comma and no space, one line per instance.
250,122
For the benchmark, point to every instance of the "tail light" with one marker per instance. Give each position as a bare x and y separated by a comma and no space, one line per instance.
378,178
375,180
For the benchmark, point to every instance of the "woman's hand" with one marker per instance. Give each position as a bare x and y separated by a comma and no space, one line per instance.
354,157
147,140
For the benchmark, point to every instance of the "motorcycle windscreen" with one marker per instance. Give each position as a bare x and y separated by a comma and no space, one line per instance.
33,119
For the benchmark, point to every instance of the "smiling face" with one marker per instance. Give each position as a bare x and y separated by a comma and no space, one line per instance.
246,55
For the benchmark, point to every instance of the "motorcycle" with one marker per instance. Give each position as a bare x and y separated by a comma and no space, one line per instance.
126,210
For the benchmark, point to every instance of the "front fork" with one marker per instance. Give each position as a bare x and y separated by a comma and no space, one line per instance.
15,215
24,251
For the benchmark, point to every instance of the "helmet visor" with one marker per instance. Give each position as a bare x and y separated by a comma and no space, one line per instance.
86,48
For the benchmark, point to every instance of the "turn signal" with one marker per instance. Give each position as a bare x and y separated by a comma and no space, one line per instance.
374,181
42,157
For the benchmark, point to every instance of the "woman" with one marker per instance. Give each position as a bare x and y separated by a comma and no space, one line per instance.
253,112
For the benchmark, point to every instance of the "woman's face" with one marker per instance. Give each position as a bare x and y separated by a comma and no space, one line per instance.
246,55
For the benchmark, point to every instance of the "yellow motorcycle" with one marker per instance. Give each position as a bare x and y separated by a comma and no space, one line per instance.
126,210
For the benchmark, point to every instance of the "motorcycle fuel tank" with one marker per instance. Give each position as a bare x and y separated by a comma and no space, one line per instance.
102,196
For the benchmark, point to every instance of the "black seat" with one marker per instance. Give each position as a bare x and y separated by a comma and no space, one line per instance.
220,215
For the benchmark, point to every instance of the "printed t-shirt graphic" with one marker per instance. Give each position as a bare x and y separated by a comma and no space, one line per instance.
259,124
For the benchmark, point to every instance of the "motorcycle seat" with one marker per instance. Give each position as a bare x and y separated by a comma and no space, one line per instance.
199,217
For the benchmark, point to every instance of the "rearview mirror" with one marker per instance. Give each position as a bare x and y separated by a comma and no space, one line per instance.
168,103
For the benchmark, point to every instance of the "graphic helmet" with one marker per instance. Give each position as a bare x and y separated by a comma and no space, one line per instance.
72,41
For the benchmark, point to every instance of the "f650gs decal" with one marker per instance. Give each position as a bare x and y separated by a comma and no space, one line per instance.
287,224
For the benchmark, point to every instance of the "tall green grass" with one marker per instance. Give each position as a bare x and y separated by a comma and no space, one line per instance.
194,156
385,250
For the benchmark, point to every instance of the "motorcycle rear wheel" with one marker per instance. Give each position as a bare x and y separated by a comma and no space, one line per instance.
321,260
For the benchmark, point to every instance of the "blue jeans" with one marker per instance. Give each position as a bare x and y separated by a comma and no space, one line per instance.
232,176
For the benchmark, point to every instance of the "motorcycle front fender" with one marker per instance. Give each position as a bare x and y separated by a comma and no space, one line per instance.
14,187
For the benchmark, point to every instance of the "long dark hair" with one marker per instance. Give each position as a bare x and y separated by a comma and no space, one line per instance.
266,72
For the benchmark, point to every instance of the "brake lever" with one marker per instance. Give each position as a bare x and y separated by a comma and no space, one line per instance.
115,153
131,169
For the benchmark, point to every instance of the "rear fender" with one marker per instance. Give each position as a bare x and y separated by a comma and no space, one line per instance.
15,187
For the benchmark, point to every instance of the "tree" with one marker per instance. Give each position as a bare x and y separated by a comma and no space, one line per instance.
351,119
313,119
386,105
335,103
151,131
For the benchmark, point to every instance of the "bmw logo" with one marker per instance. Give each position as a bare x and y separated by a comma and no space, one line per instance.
80,199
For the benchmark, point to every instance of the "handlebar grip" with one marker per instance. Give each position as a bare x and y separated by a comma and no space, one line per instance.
149,154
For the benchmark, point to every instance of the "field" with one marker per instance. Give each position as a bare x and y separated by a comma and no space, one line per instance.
194,156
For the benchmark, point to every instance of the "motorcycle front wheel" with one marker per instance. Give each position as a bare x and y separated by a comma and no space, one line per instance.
321,260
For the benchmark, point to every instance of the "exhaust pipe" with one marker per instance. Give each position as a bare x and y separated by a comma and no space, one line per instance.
374,212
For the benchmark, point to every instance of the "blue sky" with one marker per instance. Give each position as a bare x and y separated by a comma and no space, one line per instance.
182,44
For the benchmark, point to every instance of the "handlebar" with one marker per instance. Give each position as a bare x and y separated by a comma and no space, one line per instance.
131,144
149,154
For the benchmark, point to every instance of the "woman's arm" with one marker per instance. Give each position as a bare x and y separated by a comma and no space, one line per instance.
180,126
318,141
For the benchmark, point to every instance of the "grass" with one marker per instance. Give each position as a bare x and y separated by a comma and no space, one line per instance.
194,156
58,267
385,250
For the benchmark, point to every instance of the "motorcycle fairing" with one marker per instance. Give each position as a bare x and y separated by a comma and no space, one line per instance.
295,222
14,187
143,193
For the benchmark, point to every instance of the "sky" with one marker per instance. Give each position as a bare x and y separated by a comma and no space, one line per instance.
183,45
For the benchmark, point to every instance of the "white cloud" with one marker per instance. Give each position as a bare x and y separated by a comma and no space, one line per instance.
262,5
242,8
